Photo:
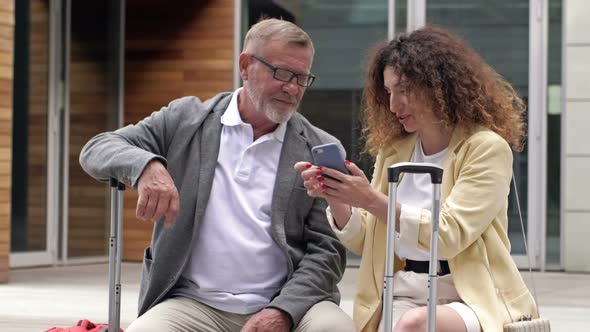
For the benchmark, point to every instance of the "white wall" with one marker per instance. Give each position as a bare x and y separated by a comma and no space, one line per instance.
577,135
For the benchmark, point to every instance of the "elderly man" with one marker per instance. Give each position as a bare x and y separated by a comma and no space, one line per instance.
237,243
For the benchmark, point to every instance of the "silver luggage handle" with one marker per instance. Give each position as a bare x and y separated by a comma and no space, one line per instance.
115,252
393,176
435,171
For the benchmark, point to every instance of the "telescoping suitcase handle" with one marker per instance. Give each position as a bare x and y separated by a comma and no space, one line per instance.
115,252
393,176
435,171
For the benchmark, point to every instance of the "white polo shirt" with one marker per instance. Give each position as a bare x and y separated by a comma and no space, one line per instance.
235,265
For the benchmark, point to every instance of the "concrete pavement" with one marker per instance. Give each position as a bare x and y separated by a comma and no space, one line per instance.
39,298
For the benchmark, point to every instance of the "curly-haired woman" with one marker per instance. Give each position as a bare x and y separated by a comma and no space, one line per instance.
431,98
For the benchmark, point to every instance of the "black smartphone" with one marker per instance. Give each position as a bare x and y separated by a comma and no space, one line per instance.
329,155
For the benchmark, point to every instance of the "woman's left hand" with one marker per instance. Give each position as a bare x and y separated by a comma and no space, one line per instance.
353,189
356,191
343,191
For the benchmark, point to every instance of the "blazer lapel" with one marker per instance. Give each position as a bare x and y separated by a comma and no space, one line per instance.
294,149
400,153
457,139
209,146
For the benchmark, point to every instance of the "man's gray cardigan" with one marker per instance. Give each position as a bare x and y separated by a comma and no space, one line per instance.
185,137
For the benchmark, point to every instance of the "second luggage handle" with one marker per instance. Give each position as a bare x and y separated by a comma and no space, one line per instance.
393,177
115,254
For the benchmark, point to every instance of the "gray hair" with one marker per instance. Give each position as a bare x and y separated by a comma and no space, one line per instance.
272,29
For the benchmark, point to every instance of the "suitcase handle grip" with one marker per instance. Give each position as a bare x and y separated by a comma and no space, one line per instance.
115,183
395,170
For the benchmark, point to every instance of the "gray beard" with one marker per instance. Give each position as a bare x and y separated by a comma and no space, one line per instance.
270,113
276,117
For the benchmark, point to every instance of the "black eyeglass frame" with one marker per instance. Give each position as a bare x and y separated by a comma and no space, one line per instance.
307,78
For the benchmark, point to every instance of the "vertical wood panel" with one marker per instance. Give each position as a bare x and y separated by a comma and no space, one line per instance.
6,74
172,53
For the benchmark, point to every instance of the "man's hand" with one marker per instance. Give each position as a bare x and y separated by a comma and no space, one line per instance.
158,196
268,320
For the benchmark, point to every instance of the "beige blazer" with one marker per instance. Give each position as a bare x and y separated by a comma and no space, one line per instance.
475,187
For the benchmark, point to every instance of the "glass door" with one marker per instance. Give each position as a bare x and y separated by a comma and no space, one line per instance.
554,142
33,240
499,31
511,35
68,88
84,205
91,98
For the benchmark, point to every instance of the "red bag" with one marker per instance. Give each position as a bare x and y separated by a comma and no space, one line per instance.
83,326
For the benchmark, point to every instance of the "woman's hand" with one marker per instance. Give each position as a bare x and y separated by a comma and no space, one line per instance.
309,174
313,182
334,186
354,190
342,191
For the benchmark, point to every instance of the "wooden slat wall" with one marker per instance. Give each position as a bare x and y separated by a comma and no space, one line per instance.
172,51
6,74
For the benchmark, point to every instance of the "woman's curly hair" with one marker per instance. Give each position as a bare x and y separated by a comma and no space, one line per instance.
462,88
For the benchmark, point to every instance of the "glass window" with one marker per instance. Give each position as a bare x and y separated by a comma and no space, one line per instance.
554,137
343,33
30,114
92,111
499,31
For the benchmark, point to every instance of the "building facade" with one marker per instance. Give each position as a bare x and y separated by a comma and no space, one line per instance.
72,69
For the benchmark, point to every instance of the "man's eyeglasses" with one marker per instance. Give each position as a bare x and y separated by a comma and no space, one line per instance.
286,75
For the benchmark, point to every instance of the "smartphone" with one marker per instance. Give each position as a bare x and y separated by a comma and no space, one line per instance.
329,155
